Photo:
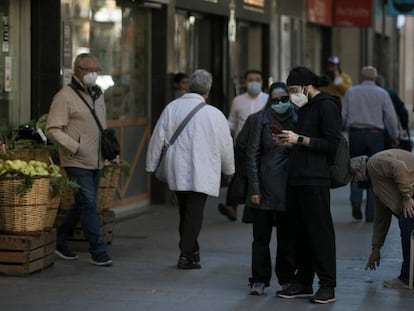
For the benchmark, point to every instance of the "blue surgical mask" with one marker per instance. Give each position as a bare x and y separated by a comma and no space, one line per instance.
254,88
280,107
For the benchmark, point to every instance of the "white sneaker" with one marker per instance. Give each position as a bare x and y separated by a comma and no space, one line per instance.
257,289
395,283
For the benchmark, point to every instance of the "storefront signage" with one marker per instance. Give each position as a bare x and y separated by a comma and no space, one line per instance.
253,10
319,12
5,44
355,13
401,7
258,3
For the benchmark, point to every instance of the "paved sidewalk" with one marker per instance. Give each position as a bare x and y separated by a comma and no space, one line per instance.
144,275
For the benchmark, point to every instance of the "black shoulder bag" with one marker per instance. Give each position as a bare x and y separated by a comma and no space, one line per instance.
109,143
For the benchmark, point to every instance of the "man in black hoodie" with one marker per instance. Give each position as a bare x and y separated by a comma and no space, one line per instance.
313,144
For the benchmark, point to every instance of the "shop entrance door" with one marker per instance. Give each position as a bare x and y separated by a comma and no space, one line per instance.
14,63
200,43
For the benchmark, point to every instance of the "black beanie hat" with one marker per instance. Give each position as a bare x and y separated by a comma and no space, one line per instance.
302,76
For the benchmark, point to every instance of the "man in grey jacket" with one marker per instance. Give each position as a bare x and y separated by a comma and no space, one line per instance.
392,175
73,128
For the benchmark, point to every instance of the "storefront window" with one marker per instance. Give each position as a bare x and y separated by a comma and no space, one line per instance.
183,39
11,111
118,36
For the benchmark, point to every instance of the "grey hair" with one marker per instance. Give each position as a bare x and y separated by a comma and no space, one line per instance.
201,81
369,73
79,59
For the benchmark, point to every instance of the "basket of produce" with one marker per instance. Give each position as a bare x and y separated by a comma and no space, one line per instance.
108,183
67,197
27,191
29,142
27,154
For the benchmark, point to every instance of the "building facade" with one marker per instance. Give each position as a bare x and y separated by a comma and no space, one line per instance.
142,43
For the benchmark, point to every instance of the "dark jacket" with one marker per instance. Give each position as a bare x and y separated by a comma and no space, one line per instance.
237,192
320,119
267,162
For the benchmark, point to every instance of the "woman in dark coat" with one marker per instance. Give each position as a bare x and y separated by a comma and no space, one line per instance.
267,165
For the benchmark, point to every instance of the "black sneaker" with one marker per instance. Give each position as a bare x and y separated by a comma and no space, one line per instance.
296,290
101,259
196,257
65,253
187,264
325,294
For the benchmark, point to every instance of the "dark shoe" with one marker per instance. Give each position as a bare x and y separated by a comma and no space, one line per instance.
284,288
228,211
65,253
325,294
186,264
356,210
196,257
296,290
101,259
257,289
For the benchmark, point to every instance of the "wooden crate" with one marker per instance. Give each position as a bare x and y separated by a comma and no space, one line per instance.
78,242
22,254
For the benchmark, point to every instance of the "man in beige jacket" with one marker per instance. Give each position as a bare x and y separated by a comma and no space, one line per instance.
72,127
392,175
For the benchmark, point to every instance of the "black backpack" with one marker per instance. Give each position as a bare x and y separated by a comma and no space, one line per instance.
340,168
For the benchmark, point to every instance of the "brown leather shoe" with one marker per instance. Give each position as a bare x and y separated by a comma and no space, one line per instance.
356,210
228,211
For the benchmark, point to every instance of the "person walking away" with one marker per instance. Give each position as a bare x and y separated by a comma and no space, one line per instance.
71,125
253,100
267,165
313,144
391,173
366,111
339,81
180,84
194,163
400,109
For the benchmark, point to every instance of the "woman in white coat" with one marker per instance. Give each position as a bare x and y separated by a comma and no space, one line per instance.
194,163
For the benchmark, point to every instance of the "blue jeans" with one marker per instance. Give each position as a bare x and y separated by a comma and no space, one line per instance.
406,227
83,209
356,196
364,141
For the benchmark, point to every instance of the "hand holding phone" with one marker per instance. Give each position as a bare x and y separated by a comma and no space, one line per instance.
275,129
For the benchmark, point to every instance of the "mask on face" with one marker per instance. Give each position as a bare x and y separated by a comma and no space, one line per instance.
90,79
254,88
299,99
280,107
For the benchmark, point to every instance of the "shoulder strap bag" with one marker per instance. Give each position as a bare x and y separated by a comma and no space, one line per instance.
160,170
109,143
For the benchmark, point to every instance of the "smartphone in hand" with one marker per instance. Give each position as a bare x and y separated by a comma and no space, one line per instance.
275,129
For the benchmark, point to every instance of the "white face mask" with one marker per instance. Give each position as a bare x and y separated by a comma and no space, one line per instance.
299,99
90,79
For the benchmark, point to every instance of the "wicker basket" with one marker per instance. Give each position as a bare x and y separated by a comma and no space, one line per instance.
51,212
107,187
27,154
67,198
23,214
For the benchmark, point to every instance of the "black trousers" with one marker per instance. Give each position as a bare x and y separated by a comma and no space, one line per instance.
263,223
191,206
313,234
